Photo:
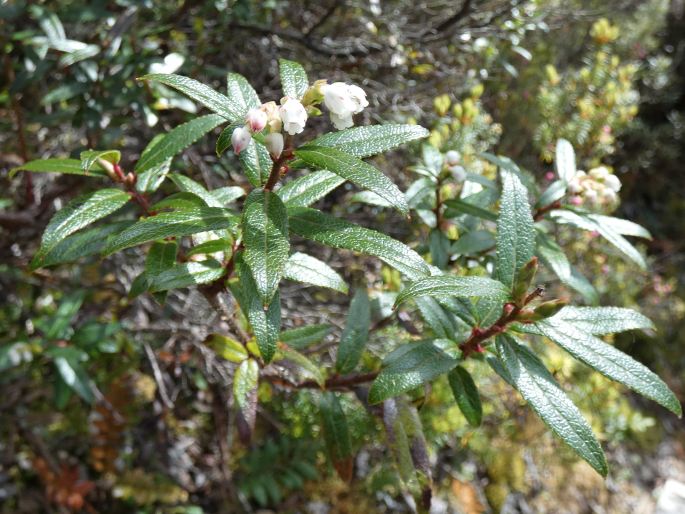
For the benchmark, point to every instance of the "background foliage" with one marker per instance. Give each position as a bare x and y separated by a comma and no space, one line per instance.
497,76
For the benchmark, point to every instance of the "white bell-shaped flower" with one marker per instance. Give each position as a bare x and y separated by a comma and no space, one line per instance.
358,97
256,119
274,144
240,139
293,115
612,182
341,122
452,158
343,100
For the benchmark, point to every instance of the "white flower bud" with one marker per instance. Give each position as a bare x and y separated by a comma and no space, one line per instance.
452,158
613,183
609,196
293,115
256,120
591,195
341,122
272,116
240,139
274,143
574,186
458,173
599,173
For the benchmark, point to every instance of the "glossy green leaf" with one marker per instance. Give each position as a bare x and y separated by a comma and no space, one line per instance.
77,214
90,157
356,171
81,244
451,285
256,163
441,321
223,142
227,348
473,242
150,179
466,394
57,324
304,268
537,386
179,202
309,369
211,246
160,258
265,235
66,166
188,274
465,207
337,233
410,366
356,333
241,93
609,361
293,78
305,190
515,232
621,226
68,364
245,381
565,160
176,140
205,95
370,140
336,434
604,320
302,337
172,224
188,185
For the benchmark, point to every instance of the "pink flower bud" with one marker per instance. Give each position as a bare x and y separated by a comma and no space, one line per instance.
256,119
240,139
274,143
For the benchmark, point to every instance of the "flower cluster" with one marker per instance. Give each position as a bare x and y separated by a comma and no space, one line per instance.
342,101
453,163
597,188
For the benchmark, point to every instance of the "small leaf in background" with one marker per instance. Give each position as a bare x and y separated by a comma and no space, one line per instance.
172,224
439,247
370,140
150,179
356,171
188,274
245,382
77,214
160,258
466,394
410,366
309,188
515,232
66,166
201,93
609,361
188,185
336,435
337,233
452,285
537,386
293,78
265,234
308,368
304,268
356,333
465,207
565,160
227,347
68,363
302,337
55,326
473,242
176,140
89,158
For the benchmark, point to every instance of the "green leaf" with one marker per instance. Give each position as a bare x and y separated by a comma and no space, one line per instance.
187,275
441,321
553,193
227,348
188,185
77,214
176,140
604,320
515,231
565,160
160,258
149,180
67,362
302,337
228,194
172,224
211,246
265,322
410,366
256,163
609,361
336,434
356,333
293,79
304,268
370,140
66,311
179,202
473,242
464,207
356,171
82,244
66,166
223,142
621,226
245,381
537,386
241,93
265,234
305,190
90,157
451,285
337,233
466,394
310,369
227,107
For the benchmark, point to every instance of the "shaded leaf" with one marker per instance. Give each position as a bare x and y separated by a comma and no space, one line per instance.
304,268
356,333
466,394
451,285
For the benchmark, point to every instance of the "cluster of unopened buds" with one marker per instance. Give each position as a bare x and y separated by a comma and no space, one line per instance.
453,163
597,188
290,117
